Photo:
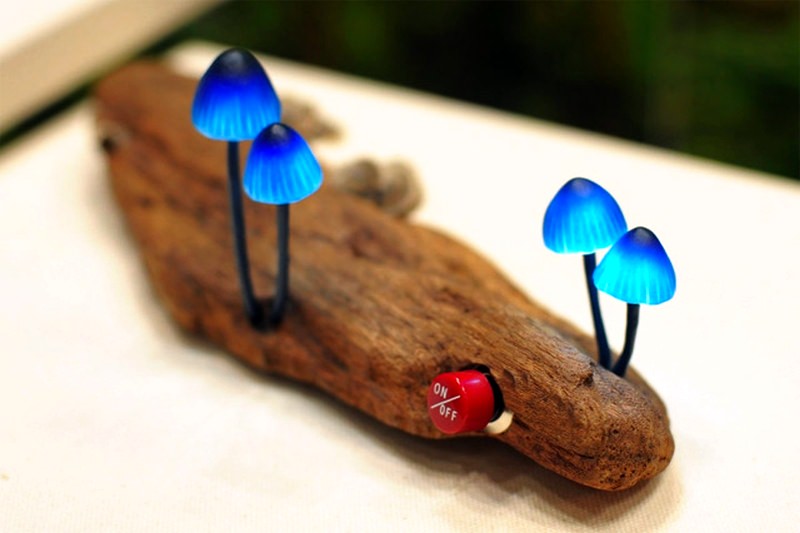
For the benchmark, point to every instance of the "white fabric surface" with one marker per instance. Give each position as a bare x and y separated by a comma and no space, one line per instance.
111,420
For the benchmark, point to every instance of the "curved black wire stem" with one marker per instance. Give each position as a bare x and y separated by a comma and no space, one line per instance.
282,279
630,337
603,351
251,307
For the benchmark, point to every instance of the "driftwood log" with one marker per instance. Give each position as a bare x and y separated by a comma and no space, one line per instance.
379,306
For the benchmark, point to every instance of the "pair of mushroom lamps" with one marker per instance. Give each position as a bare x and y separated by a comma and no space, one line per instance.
235,101
583,218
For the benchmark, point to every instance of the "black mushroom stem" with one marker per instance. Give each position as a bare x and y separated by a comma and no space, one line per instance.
251,306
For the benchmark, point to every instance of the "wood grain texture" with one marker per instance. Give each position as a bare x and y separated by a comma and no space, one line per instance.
378,306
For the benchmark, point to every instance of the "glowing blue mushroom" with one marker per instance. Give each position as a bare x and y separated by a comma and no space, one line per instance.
234,101
281,170
637,271
583,218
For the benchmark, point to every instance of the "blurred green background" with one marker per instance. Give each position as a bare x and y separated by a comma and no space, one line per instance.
715,79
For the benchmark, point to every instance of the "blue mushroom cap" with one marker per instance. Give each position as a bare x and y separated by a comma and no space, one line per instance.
281,169
234,100
582,218
637,270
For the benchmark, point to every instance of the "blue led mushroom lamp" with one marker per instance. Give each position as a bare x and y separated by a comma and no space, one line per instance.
399,321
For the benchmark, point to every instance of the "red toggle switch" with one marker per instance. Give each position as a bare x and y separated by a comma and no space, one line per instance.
460,402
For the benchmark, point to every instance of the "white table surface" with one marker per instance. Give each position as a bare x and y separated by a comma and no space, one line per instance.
111,420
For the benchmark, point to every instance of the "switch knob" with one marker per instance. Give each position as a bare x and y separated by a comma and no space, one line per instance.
461,402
